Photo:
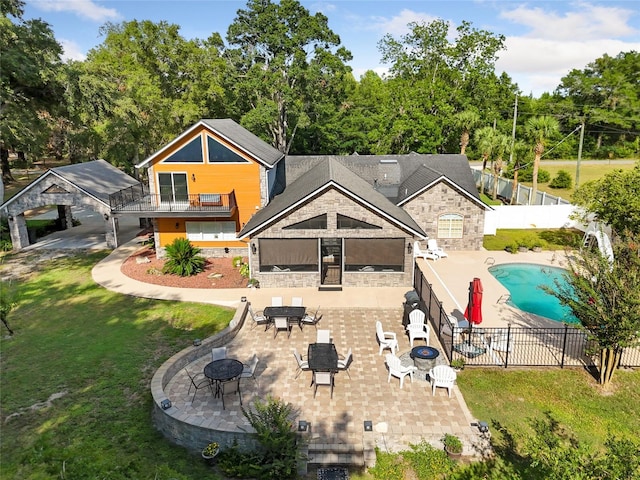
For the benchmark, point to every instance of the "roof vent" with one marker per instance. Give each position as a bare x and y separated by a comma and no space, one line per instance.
388,160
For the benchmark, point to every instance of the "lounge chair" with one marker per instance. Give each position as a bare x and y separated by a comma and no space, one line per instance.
434,249
419,253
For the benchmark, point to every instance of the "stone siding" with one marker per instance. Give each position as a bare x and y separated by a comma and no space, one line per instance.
61,193
442,199
332,203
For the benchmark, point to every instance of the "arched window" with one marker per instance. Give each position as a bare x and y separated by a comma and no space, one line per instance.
450,225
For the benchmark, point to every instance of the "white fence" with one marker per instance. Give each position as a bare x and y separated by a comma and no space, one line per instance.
530,216
522,195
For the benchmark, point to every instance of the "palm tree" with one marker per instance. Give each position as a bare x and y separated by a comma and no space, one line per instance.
466,120
501,144
539,129
484,138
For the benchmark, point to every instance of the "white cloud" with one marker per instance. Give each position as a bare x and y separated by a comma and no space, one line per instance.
585,22
397,25
82,8
545,62
71,50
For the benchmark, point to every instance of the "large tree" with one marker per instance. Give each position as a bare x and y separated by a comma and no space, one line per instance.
603,295
142,86
284,57
614,200
29,93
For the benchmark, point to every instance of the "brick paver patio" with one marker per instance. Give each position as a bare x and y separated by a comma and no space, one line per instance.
399,415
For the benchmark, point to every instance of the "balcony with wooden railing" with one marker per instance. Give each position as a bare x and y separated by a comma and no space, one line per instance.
137,200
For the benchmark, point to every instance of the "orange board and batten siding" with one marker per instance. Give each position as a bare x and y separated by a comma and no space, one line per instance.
241,178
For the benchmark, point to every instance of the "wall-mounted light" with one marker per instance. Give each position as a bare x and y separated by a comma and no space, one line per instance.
368,426
193,177
303,425
11,218
254,249
409,248
177,225
105,216
226,249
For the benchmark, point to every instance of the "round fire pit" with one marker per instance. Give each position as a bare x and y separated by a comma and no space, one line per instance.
424,358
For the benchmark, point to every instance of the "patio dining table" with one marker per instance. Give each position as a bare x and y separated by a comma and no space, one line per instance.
293,314
322,357
223,370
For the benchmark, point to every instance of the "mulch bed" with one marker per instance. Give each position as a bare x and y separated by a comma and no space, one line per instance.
218,272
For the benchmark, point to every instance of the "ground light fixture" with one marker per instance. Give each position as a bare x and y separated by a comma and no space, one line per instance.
197,342
165,404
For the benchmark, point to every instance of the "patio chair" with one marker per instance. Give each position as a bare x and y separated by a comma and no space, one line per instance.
322,378
249,369
219,353
296,302
345,362
312,319
418,330
276,301
302,364
419,253
229,387
386,339
197,383
258,318
281,323
454,327
323,336
397,369
501,342
433,248
442,376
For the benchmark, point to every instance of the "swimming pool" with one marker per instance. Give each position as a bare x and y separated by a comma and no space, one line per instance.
523,281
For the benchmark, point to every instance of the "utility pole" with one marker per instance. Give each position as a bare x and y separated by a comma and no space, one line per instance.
579,153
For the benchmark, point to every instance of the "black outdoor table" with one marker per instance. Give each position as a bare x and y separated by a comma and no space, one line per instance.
223,370
292,313
322,357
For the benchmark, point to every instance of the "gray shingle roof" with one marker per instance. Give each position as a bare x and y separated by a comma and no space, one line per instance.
396,176
98,178
245,139
328,172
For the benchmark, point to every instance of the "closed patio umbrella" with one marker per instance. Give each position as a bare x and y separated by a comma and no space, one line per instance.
473,313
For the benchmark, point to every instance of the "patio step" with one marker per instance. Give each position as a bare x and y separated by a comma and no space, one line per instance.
337,454
330,288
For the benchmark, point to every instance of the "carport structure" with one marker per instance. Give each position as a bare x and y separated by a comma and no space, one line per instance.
86,185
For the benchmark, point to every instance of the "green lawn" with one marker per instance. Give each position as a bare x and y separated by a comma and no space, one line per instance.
97,351
75,399
548,239
588,172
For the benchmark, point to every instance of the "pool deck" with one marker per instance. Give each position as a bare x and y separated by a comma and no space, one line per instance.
450,278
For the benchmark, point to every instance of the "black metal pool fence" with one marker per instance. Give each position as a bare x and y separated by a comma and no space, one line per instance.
510,346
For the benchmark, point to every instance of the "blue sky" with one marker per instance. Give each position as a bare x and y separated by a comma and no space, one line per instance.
544,39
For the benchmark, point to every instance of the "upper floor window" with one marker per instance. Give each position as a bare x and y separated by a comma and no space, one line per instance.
189,153
450,225
219,153
315,223
352,223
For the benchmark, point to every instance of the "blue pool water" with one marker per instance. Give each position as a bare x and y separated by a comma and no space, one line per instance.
523,281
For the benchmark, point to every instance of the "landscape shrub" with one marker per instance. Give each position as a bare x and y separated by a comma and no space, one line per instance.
183,258
562,179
